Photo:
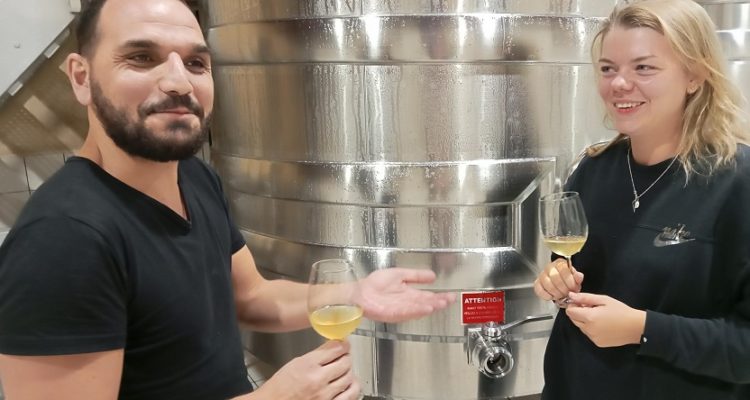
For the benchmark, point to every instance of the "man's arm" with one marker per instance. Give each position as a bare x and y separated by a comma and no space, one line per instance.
386,295
91,376
266,305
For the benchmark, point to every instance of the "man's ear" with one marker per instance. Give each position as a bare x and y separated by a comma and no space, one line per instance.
79,74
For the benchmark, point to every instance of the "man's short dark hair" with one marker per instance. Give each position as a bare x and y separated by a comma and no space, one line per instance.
86,29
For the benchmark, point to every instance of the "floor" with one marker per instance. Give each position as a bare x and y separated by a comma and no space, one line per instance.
257,371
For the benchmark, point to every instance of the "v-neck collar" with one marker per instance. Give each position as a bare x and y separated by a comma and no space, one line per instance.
182,185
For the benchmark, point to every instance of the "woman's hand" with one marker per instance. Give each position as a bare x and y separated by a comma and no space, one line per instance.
606,321
557,281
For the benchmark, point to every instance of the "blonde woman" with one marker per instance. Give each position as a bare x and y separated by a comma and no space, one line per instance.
660,294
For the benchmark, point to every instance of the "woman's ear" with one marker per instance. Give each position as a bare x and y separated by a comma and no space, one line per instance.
693,87
79,74
697,79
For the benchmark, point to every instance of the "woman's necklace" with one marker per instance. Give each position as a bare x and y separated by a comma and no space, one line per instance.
636,197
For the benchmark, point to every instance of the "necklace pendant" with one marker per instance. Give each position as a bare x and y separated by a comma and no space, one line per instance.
637,196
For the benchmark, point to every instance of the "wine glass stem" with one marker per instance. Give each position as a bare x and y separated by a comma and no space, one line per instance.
563,303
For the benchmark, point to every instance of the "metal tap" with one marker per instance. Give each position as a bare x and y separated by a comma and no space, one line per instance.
487,346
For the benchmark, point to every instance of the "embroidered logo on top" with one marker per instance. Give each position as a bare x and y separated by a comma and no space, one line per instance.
671,236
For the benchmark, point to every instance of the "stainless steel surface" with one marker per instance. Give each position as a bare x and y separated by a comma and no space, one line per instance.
525,320
488,351
407,133
23,48
415,134
732,19
487,347
728,15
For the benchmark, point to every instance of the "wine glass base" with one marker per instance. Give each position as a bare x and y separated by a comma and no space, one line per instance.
563,303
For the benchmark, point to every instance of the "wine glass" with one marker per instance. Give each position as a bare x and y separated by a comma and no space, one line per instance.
330,299
563,225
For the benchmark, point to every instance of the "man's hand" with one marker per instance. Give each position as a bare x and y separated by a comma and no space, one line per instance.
606,321
385,295
322,374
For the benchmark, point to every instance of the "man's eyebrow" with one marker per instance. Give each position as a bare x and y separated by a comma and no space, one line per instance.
139,44
201,49
146,44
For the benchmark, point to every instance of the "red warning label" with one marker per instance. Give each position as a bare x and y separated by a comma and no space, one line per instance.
481,307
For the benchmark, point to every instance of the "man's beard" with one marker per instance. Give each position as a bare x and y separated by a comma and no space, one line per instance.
179,142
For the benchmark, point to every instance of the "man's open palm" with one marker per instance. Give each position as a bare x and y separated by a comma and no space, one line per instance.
386,295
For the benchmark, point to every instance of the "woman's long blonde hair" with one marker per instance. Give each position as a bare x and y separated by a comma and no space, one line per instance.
714,122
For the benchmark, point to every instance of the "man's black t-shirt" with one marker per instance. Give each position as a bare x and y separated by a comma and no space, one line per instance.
684,257
94,265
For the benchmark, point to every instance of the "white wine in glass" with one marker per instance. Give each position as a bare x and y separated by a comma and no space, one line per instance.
563,225
330,304
565,246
